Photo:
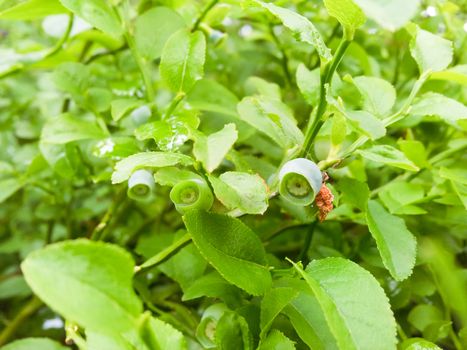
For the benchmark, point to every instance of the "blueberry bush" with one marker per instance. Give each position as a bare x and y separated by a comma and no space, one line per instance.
233,174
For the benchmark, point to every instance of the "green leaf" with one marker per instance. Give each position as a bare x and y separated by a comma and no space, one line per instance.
434,104
14,286
422,315
339,129
166,336
258,86
185,267
182,61
67,128
99,341
458,177
309,322
415,151
60,158
99,13
457,74
72,77
455,174
302,29
86,282
431,52
461,191
396,244
212,149
354,304
34,344
116,147
170,176
8,187
125,167
171,133
309,83
231,248
32,9
367,124
278,341
272,304
98,99
392,14
232,332
418,344
214,286
237,190
347,13
271,117
398,197
354,192
121,107
388,155
168,22
209,95
378,94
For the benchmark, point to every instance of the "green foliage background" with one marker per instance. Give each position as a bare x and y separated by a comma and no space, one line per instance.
220,95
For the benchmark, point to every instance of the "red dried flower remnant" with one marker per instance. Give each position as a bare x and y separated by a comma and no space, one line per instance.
323,201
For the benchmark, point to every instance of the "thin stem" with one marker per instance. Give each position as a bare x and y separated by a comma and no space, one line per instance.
56,48
284,58
283,230
447,311
400,114
63,39
42,187
317,120
167,316
28,309
343,45
395,77
106,53
68,218
178,98
306,244
443,155
166,253
131,238
143,67
50,231
401,332
86,47
334,32
119,212
73,336
12,70
203,14
142,64
102,225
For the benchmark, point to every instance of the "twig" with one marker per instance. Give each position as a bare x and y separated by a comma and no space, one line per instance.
52,51
203,14
391,119
166,253
285,229
28,309
306,244
317,120
284,58
142,64
173,105
101,226
106,53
